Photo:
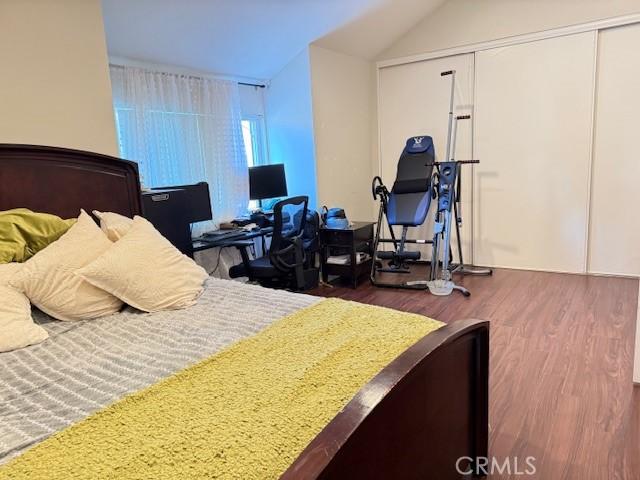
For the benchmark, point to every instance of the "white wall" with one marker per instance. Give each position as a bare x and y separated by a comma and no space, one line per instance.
290,126
463,22
54,87
342,87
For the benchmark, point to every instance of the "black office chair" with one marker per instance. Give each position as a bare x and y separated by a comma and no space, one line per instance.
284,264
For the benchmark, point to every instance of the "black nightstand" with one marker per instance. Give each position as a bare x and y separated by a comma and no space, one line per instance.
357,238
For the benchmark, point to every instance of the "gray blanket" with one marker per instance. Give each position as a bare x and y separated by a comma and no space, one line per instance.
85,366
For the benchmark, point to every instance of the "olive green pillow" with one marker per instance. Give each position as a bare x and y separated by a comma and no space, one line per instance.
24,233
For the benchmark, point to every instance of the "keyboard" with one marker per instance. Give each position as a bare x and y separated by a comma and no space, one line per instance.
222,235
214,239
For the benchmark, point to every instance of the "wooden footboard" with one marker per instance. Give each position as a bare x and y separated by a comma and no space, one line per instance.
415,419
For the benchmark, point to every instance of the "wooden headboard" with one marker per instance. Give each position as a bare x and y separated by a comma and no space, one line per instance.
62,181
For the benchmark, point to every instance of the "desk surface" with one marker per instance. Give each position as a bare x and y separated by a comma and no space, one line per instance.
203,243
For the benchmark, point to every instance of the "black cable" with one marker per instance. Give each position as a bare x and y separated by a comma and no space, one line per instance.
218,260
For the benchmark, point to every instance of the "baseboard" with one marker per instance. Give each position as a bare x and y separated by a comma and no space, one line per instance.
540,270
616,275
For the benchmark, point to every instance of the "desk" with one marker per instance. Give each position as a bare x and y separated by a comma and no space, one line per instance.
204,243
217,263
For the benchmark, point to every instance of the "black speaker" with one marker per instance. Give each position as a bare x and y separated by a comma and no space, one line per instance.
168,211
197,198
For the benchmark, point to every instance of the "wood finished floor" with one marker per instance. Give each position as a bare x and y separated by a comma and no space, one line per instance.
561,366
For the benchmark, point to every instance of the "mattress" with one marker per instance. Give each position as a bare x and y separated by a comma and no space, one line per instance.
85,366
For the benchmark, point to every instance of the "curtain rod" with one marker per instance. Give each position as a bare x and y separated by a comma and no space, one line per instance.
257,85
184,74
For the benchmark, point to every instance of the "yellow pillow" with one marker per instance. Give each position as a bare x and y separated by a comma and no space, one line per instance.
144,270
17,328
24,233
114,225
48,278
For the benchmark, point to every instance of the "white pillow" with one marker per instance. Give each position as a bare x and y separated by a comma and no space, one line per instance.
146,271
114,225
48,277
17,328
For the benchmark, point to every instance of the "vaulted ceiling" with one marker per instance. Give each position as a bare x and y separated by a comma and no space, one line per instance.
253,38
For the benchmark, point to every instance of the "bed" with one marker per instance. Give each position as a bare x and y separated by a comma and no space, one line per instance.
414,419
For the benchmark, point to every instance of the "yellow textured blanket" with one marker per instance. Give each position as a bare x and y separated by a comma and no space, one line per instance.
245,413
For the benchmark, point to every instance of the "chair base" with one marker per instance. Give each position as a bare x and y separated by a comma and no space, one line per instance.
311,277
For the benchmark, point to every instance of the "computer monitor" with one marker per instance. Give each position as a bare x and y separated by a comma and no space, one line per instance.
267,181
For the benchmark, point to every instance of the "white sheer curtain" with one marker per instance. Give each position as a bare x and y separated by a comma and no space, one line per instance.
182,129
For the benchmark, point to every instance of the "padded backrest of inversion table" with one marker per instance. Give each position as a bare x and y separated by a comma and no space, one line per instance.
410,196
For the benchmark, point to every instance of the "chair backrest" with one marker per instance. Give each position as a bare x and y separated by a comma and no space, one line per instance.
289,220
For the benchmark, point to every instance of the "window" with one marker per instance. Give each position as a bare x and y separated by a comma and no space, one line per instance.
255,142
170,139
181,130
248,141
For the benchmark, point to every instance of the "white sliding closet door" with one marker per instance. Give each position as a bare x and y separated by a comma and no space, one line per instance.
533,136
414,100
614,246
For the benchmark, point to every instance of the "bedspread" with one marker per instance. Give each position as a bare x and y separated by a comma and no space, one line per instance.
244,413
85,366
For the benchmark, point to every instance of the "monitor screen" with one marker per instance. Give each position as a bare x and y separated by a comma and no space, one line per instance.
267,181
